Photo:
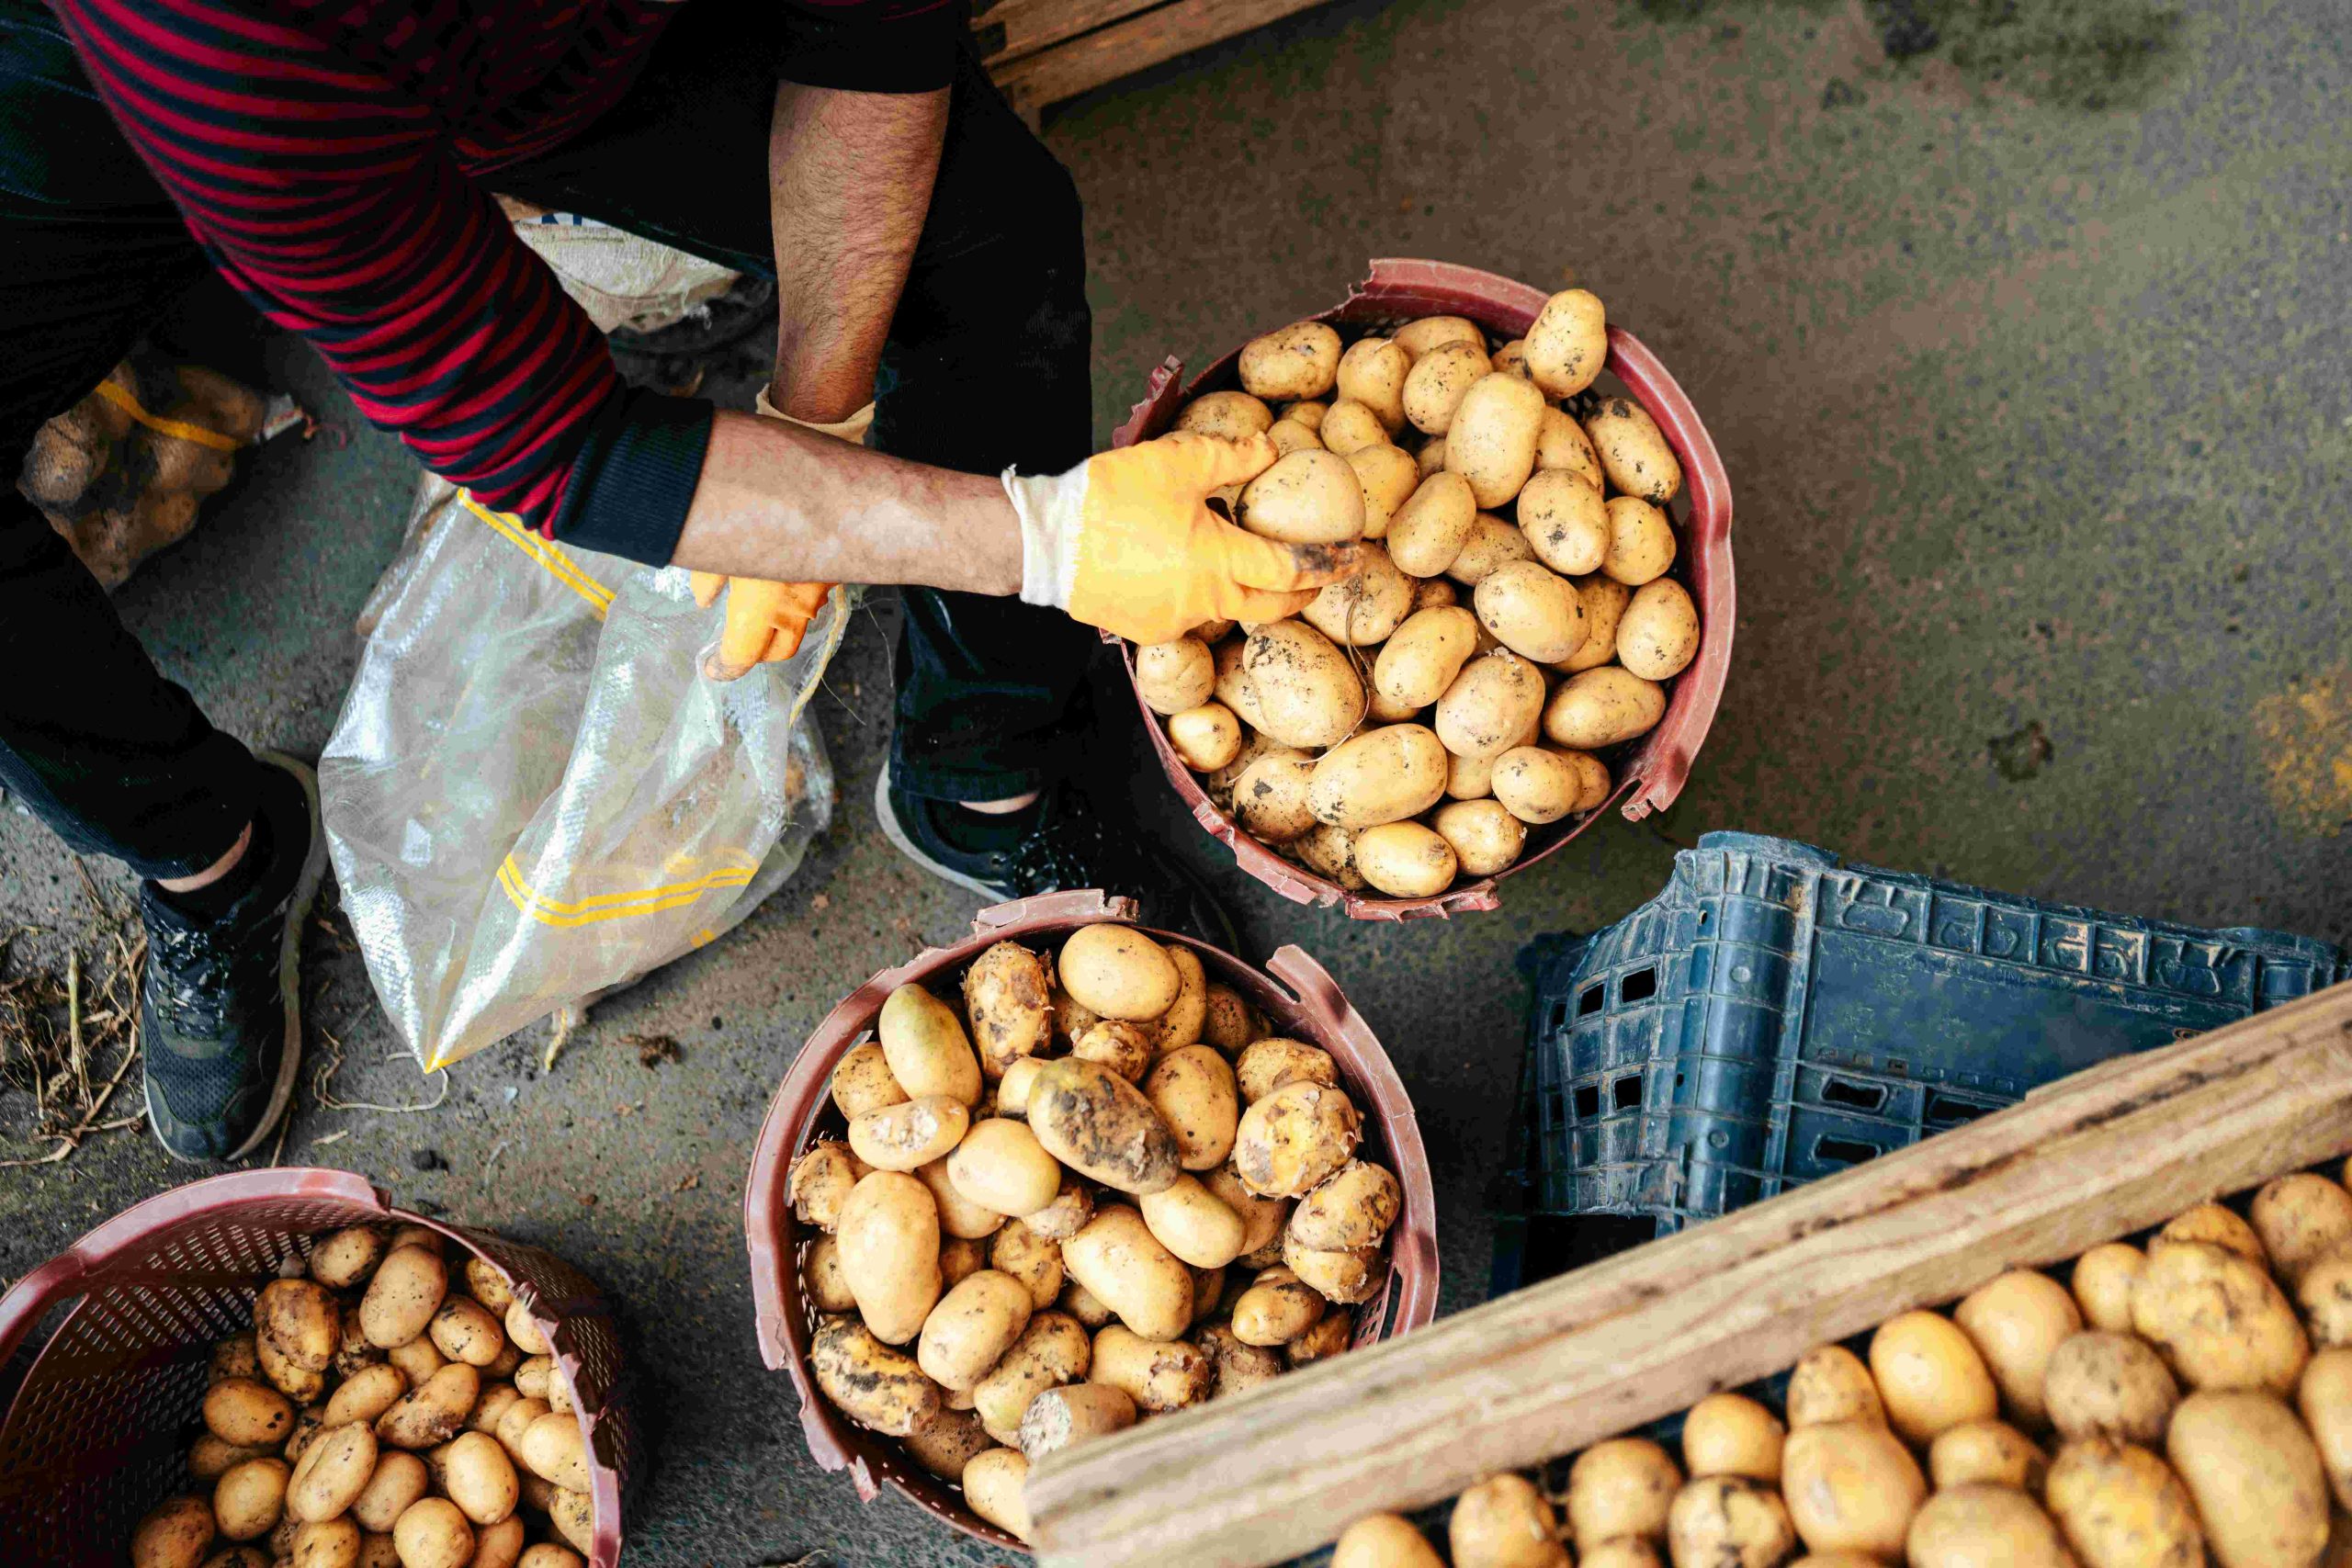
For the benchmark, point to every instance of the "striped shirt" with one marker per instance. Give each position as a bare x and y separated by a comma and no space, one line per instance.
325,155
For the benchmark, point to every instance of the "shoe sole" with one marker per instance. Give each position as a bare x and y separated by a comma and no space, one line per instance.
905,846
289,970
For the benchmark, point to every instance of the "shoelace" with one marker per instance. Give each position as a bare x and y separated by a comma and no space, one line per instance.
191,968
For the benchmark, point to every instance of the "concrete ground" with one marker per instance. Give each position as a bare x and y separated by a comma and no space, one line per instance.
2031,386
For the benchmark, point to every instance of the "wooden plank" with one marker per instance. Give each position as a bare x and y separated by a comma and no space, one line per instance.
1108,53
1012,28
1556,1367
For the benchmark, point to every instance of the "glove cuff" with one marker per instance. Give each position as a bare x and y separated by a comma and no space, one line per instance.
1048,506
852,429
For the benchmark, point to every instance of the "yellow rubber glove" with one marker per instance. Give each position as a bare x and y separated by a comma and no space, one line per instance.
766,621
1126,541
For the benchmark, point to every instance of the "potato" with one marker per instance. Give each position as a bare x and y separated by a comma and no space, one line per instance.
1031,1258
1730,1434
308,1423
300,1320
398,1479
1425,656
401,1298
554,1449
2016,1322
531,1379
1384,1541
1263,1218
1380,776
335,1543
1985,1527
1569,343
1219,787
434,1534
1565,521
1207,738
234,1357
1602,708
365,1395
1483,835
2120,1506
1270,801
1332,1336
424,1236
209,1458
923,1041
1830,1383
1372,372
2325,1397
1350,1276
1405,860
1631,1551
1990,1451
1180,1025
1439,380
995,1485
1052,1350
1237,1367
2217,1319
1504,1522
465,1330
1491,441
1276,1308
1193,1223
960,1218
1267,1065
1159,1375
2102,1285
889,1253
1728,1521
1490,543
298,1383
1350,426
1532,612
249,1500
820,1183
906,1137
1120,1263
558,1394
1329,852
1289,436
945,1443
495,1546
2253,1472
1427,531
1125,1048
862,1081
1659,634
1929,1375
1624,1486
1012,1089
1306,691
332,1472
247,1414
1537,785
1228,1022
1851,1486
1292,1139
175,1533
2298,1218
1067,1215
1604,600
1561,443
1418,337
1309,497
972,1327
1491,706
573,1515
1118,971
1471,778
1641,543
1308,412
1099,1126
1365,609
1064,1417
1301,360
1388,479
1001,1169
1633,452
1192,1091
494,1401
344,1257
1228,416
433,1411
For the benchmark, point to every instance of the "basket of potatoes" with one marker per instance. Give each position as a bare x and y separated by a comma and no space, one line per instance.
1543,622
276,1367
1067,1175
2161,1405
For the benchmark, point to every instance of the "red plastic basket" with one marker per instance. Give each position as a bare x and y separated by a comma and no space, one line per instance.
1312,1010
97,1417
1653,773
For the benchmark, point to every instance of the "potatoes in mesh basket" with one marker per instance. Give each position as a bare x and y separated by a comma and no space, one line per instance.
1138,1269
419,1450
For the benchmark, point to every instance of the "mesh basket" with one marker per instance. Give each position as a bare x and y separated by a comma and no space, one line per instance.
1652,771
1312,1010
99,1413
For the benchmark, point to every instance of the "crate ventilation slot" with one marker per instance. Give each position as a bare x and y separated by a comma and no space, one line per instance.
1943,1111
1589,1101
1591,999
1628,1091
1857,1096
1638,987
1845,1151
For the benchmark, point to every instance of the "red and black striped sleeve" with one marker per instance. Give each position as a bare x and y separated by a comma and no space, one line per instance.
328,197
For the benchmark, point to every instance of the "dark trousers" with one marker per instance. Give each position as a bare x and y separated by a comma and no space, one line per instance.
986,365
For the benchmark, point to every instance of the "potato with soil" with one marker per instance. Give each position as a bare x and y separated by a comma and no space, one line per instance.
2113,1385
820,1183
1352,1208
1985,1527
1306,691
1372,372
1604,600
1565,522
431,1412
2121,1506
1194,1095
1266,1065
1351,1276
1159,1375
972,1327
2218,1320
1310,497
1425,655
1602,707
1365,610
1491,441
1850,1487
1427,531
1728,1521
1301,360
1271,798
1228,416
1328,853
1102,1127
249,1500
465,1330
1633,452
1990,1451
2300,1218
1830,1383
1537,785
1504,1522
1380,776
1493,705
1120,1263
1569,343
1532,612
1730,1434
1074,1414
2017,1322
1485,835
907,1136
994,1484
1439,380
1625,1486
2254,1475
1293,1138
247,1413
862,1082
402,1297
332,1472
175,1533
1405,860
1053,1350
1384,1541
889,1253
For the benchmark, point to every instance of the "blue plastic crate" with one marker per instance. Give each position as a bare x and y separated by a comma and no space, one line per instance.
1776,1015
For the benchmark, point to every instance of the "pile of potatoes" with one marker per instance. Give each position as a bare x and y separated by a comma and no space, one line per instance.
2186,1401
1513,616
388,1410
1101,1193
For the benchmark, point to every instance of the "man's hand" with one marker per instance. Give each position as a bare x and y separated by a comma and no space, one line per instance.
1127,541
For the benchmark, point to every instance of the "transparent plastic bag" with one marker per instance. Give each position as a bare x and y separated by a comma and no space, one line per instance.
533,797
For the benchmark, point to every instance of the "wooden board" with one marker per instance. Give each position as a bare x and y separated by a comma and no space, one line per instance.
1554,1367
1123,47
1010,28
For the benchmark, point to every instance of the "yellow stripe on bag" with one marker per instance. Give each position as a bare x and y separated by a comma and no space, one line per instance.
557,912
157,423
551,556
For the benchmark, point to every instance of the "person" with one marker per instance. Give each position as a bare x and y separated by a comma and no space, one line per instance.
338,164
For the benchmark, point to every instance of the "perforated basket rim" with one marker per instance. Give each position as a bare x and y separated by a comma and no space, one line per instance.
1312,1007
73,1272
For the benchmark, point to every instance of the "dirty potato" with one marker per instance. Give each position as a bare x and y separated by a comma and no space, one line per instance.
1100,1126
2217,1319
1290,1141
1301,360
925,1045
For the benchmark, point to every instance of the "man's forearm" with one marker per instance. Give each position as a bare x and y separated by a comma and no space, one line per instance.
849,183
783,503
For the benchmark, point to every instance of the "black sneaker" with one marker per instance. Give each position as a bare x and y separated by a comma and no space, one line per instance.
221,1007
1060,841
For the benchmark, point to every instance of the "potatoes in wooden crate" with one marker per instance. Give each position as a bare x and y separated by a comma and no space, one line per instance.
1515,601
